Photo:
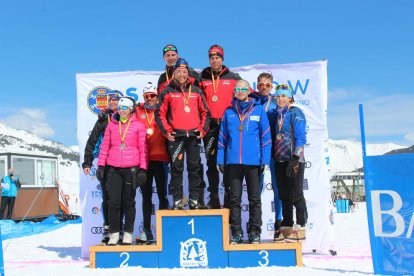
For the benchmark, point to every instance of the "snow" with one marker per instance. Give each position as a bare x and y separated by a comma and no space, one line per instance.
59,253
346,156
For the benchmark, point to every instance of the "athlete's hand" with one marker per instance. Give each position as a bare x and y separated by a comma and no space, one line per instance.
170,136
198,131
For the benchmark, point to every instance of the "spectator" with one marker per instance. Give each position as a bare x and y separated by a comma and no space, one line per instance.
9,186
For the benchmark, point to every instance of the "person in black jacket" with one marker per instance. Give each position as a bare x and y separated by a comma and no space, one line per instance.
92,151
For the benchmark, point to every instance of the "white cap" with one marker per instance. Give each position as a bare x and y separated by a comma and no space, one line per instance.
150,88
124,101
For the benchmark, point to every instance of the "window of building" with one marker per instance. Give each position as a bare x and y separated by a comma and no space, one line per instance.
3,169
35,172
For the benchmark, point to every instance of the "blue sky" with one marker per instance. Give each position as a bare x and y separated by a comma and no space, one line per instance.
368,44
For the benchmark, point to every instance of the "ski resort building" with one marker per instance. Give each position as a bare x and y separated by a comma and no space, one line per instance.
38,173
349,185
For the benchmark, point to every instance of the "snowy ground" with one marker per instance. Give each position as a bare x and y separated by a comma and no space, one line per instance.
58,253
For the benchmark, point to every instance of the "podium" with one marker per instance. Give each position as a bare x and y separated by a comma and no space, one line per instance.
195,239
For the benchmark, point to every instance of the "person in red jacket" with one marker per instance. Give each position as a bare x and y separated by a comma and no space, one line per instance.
124,152
170,55
183,117
217,82
158,161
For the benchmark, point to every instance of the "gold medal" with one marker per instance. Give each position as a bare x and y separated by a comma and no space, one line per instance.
187,108
241,127
143,116
279,137
150,131
122,146
214,98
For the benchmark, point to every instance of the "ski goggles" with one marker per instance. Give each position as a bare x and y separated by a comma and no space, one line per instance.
241,89
170,48
114,97
282,86
123,107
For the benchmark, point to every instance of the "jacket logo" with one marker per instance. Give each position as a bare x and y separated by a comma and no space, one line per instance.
255,118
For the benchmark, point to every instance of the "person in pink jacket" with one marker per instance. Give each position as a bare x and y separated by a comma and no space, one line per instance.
124,158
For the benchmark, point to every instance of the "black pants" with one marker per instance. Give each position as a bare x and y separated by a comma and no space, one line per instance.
210,146
291,194
190,146
121,194
159,171
236,173
7,201
104,201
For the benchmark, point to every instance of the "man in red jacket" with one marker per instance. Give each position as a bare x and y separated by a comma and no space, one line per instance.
170,55
158,161
183,117
217,82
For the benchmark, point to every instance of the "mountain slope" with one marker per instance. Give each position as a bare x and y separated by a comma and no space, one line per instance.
346,156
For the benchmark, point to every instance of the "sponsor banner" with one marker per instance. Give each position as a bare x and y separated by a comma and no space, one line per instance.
309,84
389,183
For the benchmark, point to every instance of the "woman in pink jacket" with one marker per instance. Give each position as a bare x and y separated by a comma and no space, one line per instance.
123,159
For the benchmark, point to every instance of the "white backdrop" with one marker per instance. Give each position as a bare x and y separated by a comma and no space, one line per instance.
309,83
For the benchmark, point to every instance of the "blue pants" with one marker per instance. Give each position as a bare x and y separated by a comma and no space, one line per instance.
276,201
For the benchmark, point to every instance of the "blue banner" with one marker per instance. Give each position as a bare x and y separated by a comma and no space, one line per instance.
389,183
1,258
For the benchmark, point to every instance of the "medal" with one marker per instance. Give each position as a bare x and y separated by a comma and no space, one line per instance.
279,137
187,108
143,116
242,117
150,131
122,146
214,98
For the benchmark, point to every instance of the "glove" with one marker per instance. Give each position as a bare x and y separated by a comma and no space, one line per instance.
100,172
103,114
141,177
293,168
220,168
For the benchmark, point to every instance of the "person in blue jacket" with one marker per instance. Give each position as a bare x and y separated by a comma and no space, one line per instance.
244,145
264,87
288,125
9,186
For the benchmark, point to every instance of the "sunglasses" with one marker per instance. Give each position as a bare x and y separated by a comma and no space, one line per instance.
114,97
264,85
123,107
282,86
150,96
241,89
166,49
